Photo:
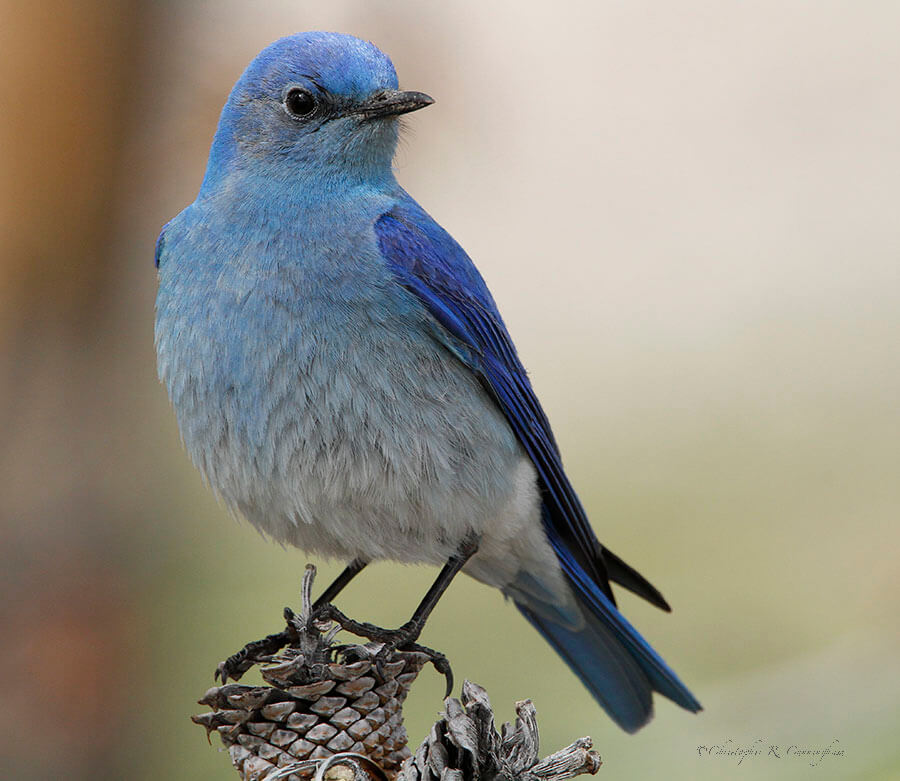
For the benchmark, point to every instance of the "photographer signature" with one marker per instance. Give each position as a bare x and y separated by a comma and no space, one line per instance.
729,749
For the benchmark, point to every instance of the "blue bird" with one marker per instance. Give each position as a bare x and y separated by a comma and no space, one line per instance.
342,377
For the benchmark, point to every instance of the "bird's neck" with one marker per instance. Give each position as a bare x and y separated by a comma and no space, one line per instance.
308,211
261,190
301,175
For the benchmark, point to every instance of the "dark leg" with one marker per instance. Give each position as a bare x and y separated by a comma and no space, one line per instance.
410,631
405,637
350,571
238,663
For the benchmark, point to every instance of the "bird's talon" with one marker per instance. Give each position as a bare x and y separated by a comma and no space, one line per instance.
238,663
229,668
442,665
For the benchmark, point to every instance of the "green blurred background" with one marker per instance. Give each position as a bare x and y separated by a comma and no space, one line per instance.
688,215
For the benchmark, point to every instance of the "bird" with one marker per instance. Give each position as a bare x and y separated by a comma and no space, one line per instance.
342,378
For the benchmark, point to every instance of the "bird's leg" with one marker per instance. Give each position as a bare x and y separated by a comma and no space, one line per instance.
405,637
238,663
410,631
339,583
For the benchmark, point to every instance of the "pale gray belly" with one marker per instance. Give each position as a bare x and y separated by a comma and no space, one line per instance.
347,430
378,446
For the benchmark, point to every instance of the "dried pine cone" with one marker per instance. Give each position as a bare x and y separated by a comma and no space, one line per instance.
311,712
332,711
464,745
322,700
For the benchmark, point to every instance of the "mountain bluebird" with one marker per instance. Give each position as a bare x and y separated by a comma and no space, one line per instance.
342,378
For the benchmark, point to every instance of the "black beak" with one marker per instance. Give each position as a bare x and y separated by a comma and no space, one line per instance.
392,102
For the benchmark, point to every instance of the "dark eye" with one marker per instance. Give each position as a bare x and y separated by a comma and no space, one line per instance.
299,102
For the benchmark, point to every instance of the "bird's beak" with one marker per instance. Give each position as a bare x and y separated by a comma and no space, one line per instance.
392,102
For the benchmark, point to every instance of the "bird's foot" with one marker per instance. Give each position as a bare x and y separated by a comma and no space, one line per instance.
440,662
392,641
256,651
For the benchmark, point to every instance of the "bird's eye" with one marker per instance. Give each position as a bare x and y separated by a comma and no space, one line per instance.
299,103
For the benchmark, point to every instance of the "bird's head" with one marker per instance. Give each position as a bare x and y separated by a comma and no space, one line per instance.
314,107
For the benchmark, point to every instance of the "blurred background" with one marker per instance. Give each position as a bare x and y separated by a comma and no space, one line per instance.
688,215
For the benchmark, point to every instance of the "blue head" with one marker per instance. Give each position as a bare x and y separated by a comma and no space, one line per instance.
313,109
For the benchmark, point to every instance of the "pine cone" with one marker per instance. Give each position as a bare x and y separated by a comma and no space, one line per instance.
334,712
322,700
464,745
313,711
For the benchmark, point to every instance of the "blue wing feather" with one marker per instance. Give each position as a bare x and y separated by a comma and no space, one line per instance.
430,264
611,658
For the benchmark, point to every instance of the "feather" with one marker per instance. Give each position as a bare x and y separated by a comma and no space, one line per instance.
616,664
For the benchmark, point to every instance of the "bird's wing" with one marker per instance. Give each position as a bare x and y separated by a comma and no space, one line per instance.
428,262
614,662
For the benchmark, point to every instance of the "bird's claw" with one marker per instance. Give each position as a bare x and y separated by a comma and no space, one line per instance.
442,665
257,650
233,667
438,660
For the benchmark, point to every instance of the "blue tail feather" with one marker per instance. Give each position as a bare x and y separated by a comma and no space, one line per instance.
610,657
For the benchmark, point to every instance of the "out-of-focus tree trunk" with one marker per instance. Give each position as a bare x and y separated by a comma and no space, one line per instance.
68,87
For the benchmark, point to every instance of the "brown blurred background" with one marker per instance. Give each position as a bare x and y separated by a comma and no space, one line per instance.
688,215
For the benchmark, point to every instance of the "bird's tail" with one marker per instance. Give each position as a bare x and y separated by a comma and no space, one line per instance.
613,661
